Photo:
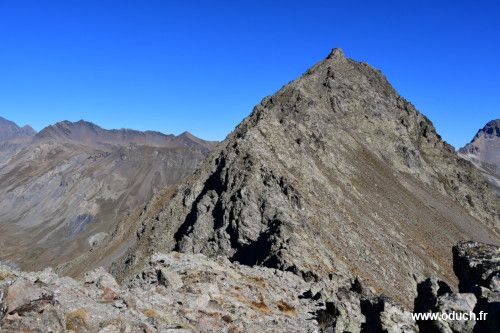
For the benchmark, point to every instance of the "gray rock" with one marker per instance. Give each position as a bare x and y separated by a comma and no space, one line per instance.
457,304
169,279
24,296
395,319
476,265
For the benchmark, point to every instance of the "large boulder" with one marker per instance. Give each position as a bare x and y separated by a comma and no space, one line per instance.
476,265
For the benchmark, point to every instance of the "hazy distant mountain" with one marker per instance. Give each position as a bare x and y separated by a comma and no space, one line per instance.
9,130
336,173
13,138
484,152
64,189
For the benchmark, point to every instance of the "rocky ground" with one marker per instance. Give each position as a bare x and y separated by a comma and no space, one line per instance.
177,292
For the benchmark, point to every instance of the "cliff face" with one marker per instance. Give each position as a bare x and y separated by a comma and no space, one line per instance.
335,173
65,189
484,152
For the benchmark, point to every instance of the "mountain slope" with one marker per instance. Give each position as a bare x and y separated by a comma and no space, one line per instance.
335,173
10,130
484,152
66,189
13,138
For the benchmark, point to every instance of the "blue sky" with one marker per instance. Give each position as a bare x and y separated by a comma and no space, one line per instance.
202,65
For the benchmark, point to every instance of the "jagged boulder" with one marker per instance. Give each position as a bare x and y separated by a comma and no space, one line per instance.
395,319
476,265
460,308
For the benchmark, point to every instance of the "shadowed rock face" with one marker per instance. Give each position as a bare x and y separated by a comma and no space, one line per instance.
484,152
335,173
64,189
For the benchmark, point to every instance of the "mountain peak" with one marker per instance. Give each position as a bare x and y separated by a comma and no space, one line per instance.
491,129
484,152
335,160
336,53
10,130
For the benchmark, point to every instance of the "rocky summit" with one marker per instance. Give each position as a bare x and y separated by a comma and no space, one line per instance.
65,189
335,174
484,152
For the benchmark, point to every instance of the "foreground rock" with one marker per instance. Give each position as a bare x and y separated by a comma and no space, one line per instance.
192,293
178,292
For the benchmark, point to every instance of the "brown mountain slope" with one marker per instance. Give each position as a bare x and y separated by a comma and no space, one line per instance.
334,173
65,190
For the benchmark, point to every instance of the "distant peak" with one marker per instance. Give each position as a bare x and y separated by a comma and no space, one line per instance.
491,129
10,130
187,134
27,129
336,53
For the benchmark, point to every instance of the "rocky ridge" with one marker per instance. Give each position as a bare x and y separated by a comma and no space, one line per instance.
178,292
336,173
9,130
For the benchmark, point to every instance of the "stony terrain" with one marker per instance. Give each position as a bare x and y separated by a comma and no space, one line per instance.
192,293
484,152
64,190
334,174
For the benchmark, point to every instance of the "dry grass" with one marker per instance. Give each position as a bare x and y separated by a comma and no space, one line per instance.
260,306
286,308
5,275
77,320
151,313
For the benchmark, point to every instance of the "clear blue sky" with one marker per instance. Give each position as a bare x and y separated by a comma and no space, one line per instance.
202,65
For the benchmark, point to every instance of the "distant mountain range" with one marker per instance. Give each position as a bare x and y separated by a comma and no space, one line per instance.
64,189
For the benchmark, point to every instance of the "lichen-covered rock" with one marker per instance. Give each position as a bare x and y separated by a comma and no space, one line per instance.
458,305
395,319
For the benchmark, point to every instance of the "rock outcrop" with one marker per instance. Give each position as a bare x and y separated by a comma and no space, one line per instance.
484,152
335,173
178,292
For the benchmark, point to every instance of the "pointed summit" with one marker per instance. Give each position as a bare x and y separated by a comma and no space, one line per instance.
336,53
484,152
335,173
